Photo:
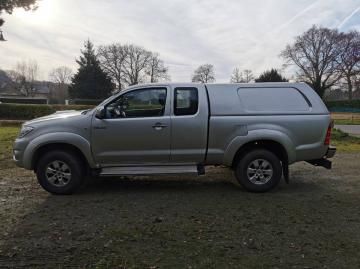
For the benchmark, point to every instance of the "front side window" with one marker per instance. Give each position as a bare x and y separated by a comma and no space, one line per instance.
138,104
186,101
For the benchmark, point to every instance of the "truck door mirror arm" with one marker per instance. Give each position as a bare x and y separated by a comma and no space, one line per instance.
100,113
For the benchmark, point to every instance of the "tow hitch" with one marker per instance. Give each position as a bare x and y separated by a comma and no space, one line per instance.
321,162
324,162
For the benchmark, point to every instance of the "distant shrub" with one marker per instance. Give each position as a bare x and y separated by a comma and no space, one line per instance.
344,106
28,112
86,101
11,100
71,107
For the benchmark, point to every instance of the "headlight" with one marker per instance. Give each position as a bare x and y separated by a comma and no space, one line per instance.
25,130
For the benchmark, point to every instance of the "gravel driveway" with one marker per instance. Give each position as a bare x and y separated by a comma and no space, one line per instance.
185,222
350,129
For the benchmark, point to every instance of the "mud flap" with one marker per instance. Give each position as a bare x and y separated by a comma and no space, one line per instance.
285,167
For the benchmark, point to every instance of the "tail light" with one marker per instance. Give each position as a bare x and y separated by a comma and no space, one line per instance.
328,135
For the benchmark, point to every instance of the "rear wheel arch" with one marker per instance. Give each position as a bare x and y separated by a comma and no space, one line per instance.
271,145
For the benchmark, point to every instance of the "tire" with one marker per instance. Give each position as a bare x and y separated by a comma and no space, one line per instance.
259,170
60,172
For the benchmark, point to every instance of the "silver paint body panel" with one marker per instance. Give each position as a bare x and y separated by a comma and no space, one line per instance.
212,136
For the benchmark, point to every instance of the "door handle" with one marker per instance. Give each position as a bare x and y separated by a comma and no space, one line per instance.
99,127
159,126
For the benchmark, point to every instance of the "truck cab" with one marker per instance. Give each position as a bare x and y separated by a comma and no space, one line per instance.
151,125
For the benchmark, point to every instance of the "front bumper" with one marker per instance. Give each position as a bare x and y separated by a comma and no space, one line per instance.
17,157
19,147
324,162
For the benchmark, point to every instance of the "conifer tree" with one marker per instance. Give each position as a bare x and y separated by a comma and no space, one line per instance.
90,81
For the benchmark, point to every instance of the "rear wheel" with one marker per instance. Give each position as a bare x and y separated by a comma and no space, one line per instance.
60,172
259,170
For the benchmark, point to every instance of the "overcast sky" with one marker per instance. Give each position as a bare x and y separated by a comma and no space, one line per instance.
226,33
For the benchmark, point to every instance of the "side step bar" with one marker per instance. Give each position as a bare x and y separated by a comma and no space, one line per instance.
152,170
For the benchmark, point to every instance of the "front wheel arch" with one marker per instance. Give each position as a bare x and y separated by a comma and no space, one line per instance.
63,178
59,147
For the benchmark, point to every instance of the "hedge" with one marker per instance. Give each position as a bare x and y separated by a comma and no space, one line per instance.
344,106
28,112
86,101
37,101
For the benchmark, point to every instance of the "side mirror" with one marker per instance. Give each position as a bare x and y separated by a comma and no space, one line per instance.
100,113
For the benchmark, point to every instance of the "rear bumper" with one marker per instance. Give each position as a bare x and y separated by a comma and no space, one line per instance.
324,162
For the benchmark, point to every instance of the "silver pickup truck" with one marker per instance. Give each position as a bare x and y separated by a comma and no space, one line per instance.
257,130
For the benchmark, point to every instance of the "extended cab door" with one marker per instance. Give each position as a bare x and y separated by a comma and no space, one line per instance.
189,123
135,130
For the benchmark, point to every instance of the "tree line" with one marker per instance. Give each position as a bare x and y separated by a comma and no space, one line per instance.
113,67
206,74
101,71
323,58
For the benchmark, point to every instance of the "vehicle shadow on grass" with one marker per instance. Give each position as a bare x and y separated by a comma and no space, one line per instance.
206,221
186,183
133,217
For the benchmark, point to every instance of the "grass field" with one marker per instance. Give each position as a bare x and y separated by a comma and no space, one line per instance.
7,137
346,118
345,142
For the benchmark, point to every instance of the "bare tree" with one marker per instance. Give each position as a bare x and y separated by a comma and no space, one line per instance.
236,76
248,75
135,64
316,54
61,75
27,73
112,59
21,69
33,71
350,58
204,74
131,64
17,80
156,69
13,75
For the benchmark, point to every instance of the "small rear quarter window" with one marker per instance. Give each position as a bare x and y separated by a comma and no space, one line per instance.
266,99
186,101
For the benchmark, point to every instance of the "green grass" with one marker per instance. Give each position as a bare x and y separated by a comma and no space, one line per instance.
347,121
343,142
7,137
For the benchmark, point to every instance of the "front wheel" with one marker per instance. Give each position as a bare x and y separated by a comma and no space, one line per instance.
60,172
259,170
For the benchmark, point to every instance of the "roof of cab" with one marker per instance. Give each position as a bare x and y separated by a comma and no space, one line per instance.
194,84
224,98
